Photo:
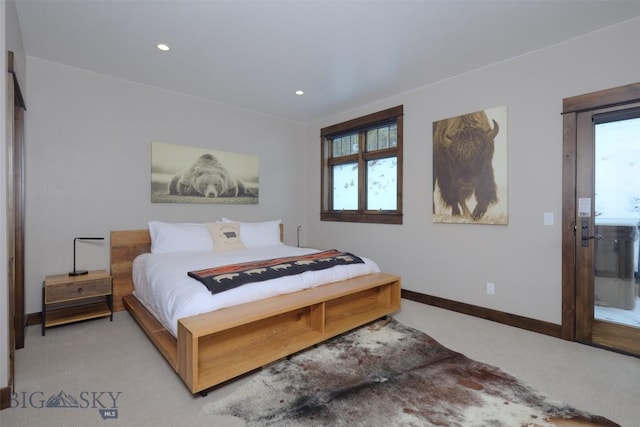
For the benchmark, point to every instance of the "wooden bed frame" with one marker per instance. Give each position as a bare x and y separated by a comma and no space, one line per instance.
214,347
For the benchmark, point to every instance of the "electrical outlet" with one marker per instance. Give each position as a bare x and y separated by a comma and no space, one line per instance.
491,288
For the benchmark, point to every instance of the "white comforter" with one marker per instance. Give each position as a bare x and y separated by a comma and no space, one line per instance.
162,285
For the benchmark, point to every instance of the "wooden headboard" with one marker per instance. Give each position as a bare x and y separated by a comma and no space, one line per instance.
125,246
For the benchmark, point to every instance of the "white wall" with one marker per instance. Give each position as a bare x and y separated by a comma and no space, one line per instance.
523,258
88,164
14,43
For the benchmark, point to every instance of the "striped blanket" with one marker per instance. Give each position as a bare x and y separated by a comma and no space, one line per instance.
220,279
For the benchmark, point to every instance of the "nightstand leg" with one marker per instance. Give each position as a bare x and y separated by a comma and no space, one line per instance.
110,304
44,312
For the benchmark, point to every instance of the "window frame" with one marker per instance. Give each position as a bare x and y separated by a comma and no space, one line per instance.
360,125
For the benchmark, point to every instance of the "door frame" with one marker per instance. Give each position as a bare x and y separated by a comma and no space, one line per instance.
572,106
16,199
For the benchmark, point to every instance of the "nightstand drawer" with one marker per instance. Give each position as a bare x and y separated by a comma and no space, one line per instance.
77,290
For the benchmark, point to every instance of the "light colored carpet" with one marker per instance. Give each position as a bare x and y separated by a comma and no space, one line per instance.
101,356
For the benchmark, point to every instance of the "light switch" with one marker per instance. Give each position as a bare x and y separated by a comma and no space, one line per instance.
548,218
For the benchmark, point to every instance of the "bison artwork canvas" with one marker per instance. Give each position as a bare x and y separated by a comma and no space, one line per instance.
469,168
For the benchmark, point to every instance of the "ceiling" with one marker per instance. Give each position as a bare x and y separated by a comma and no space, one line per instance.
255,54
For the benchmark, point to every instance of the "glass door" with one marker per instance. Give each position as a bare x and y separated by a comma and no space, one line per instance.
608,221
617,215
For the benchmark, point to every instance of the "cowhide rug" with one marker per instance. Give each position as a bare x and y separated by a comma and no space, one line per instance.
387,374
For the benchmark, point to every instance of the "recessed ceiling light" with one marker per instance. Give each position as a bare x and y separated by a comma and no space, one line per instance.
299,92
163,47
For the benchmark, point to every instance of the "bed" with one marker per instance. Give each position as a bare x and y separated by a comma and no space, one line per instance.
210,348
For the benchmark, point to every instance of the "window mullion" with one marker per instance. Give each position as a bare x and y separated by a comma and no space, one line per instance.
327,184
362,176
343,160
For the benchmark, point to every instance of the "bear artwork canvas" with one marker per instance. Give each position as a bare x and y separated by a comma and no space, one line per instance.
181,174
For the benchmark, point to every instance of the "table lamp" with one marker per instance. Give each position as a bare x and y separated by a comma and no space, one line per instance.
80,272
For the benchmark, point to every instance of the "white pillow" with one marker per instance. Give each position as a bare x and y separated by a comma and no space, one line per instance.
259,234
179,237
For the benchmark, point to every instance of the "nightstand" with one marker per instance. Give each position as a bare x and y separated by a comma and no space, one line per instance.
67,299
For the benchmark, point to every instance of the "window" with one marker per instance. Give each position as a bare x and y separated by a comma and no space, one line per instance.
362,169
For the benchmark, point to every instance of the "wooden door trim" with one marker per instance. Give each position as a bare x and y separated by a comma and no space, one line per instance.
583,274
569,149
17,193
601,99
620,337
19,224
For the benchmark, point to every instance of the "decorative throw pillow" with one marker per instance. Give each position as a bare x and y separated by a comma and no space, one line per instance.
258,234
225,236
